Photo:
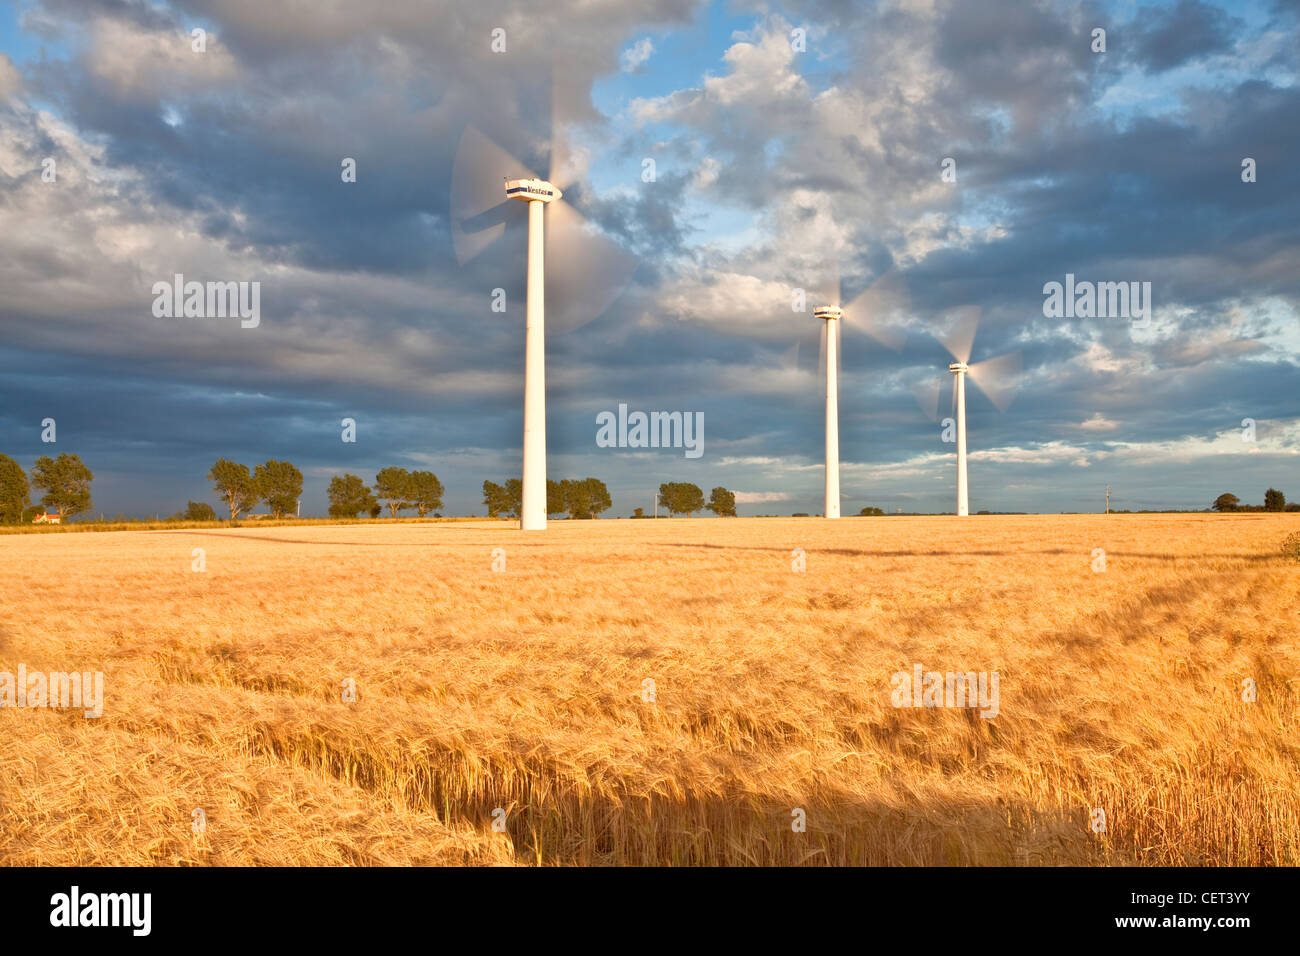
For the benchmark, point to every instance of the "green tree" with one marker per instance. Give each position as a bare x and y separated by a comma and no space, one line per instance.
598,496
349,496
554,497
869,510
681,498
376,509
425,492
279,484
66,483
392,486
1274,500
235,484
197,511
508,499
722,502
571,499
15,495
494,498
584,497
1226,502
514,488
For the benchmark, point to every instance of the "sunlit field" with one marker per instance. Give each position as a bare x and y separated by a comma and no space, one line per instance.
658,692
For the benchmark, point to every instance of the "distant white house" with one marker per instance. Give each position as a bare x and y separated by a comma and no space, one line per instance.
46,519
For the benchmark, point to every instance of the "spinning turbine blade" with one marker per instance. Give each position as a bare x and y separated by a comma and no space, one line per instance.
585,270
998,378
881,310
479,206
839,348
959,337
570,107
827,292
927,396
567,165
821,354
834,291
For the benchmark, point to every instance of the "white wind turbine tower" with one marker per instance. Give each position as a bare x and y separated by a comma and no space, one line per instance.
587,271
996,377
831,335
870,311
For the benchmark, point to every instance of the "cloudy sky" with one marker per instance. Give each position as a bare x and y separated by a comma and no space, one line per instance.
721,157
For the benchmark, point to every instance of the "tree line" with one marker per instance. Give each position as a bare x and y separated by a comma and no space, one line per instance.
278,483
65,481
576,497
395,488
683,498
1274,500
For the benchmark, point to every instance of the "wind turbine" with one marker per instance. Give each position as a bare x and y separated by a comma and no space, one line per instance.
996,377
878,301
587,271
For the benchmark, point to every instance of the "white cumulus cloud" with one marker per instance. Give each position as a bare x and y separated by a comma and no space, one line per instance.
755,497
636,55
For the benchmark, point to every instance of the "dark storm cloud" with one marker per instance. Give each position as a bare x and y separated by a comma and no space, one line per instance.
1169,37
1034,62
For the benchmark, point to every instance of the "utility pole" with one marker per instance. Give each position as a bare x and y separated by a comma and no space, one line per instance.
299,507
1108,499
656,504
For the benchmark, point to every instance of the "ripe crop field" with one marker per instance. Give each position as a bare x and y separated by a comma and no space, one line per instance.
658,692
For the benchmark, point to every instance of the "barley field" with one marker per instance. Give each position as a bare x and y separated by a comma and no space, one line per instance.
668,692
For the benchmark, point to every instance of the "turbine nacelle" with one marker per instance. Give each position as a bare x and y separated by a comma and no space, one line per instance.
532,190
829,312
958,367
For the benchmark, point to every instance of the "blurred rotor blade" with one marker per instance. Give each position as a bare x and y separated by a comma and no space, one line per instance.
829,328
824,287
831,291
570,106
478,196
585,270
567,166
960,334
821,354
998,378
839,349
881,310
927,396
790,358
